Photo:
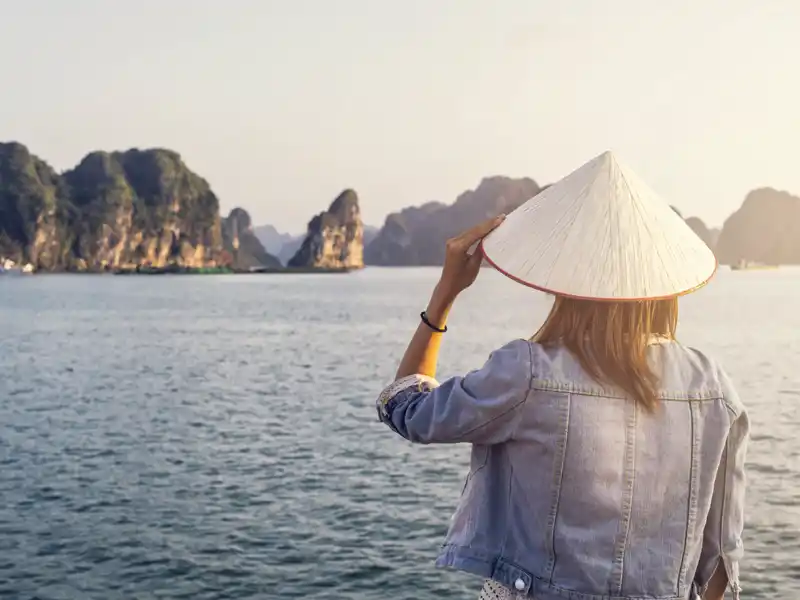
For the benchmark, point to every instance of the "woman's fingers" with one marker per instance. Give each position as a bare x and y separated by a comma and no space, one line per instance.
475,260
470,236
460,266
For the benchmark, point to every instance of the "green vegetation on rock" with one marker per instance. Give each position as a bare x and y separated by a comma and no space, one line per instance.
35,211
113,210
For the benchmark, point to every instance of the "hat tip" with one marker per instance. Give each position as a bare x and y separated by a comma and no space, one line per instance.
608,158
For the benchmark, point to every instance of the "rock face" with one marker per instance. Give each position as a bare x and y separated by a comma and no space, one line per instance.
370,233
709,236
273,240
281,245
118,209
335,238
765,229
35,216
241,243
285,245
290,248
416,236
143,207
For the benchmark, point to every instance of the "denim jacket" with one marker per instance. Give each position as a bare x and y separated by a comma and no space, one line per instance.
575,491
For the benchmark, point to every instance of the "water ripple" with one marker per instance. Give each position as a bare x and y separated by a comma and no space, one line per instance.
212,438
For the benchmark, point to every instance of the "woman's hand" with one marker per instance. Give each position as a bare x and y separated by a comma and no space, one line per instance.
460,269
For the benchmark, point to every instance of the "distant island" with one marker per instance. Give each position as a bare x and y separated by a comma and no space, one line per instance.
335,237
416,235
285,245
145,211
765,230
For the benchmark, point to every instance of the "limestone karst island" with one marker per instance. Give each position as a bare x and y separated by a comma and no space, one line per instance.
145,211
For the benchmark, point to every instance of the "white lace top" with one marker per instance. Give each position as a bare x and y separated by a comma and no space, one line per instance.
494,591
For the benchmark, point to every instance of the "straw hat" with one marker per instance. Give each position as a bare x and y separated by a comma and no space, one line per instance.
600,233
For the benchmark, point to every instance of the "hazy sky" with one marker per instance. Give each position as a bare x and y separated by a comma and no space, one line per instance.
281,104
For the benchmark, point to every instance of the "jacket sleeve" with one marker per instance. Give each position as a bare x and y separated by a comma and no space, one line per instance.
482,407
722,537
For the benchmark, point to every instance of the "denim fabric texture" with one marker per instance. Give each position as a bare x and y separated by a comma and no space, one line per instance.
575,491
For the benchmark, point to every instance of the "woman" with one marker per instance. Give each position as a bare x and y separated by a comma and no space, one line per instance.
607,458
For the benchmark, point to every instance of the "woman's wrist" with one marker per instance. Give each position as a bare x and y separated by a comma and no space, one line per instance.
439,305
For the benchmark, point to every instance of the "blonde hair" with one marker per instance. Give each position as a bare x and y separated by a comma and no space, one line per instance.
610,340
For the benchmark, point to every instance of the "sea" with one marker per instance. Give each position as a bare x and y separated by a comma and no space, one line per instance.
215,437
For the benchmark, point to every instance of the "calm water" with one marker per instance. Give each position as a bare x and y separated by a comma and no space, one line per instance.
215,437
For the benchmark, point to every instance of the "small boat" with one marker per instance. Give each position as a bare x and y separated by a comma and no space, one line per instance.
172,270
747,265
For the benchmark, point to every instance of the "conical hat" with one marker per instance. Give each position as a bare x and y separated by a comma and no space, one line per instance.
600,233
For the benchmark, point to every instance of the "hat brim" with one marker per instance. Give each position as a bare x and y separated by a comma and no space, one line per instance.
546,290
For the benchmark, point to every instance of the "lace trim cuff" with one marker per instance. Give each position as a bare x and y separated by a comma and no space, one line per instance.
422,383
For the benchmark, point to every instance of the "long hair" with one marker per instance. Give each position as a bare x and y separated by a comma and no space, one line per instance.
610,340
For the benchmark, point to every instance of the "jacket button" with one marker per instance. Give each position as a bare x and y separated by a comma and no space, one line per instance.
519,584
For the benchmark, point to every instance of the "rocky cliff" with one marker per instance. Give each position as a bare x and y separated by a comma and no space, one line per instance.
274,241
241,243
117,209
142,207
416,236
335,238
35,216
290,248
765,229
285,245
709,236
